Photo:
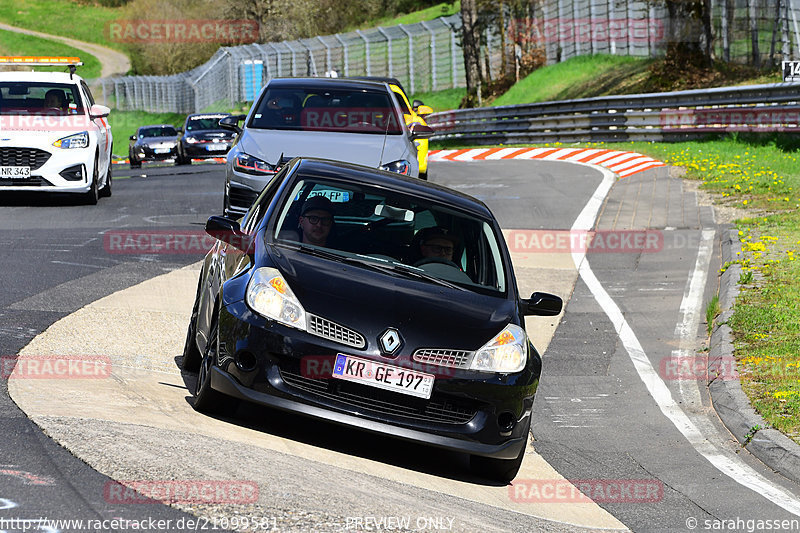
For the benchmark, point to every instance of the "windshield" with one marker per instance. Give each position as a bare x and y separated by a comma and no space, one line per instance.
391,231
206,122
340,110
158,131
38,98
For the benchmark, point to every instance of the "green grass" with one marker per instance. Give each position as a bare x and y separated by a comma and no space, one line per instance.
578,77
18,44
77,20
441,100
440,10
712,310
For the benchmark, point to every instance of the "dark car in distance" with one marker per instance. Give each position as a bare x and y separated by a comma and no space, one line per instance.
152,143
202,138
372,300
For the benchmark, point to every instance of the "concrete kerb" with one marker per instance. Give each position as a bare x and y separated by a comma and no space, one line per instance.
732,405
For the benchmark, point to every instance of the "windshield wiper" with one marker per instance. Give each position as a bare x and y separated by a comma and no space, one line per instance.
409,272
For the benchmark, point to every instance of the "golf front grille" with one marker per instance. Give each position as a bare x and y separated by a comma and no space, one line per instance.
441,357
327,329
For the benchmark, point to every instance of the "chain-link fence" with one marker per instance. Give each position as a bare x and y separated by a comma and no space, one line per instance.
427,56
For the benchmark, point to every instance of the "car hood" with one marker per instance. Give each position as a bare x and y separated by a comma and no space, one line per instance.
210,134
359,148
426,315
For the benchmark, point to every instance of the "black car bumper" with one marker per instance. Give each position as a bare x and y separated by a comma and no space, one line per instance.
488,417
150,154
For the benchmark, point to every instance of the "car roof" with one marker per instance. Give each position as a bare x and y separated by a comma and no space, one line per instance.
380,79
323,168
38,76
326,83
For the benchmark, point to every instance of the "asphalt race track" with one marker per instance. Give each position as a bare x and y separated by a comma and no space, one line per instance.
612,415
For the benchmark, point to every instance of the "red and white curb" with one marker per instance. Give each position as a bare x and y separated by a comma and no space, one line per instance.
621,163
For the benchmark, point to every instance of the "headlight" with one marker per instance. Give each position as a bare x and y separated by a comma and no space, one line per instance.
401,167
191,140
78,140
269,295
251,165
507,352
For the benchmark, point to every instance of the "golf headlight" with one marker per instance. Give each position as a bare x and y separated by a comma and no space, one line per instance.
78,140
191,140
269,295
251,165
507,352
401,167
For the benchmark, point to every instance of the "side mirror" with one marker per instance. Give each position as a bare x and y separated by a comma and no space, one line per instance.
415,105
99,111
179,130
133,137
229,231
420,131
232,123
424,110
542,304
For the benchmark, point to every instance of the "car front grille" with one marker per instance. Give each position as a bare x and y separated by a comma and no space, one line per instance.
23,157
242,197
436,410
323,327
449,358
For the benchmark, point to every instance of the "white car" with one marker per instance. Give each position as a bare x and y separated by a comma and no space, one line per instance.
53,137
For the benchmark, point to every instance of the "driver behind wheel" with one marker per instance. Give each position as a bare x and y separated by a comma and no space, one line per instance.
437,242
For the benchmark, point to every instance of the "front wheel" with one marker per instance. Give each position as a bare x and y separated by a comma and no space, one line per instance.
502,470
92,195
206,399
105,192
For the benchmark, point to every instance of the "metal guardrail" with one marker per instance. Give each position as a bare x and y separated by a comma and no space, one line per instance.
674,116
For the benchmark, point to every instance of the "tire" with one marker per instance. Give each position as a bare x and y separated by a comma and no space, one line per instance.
206,399
105,192
92,195
136,165
502,470
191,355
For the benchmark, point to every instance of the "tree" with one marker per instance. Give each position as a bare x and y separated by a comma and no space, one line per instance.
689,33
471,47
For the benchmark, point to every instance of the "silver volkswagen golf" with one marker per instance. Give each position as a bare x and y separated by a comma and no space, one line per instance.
344,120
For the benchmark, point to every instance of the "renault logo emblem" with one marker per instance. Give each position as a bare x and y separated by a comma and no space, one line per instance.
390,340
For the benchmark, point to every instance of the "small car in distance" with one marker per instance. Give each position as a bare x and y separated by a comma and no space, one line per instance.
371,300
153,143
202,138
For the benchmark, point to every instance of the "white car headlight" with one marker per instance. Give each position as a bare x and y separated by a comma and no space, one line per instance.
269,295
506,353
78,140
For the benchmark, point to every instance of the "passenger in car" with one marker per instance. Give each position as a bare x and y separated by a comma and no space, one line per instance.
437,242
316,220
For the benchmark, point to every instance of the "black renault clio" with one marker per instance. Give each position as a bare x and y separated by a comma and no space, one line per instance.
370,299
